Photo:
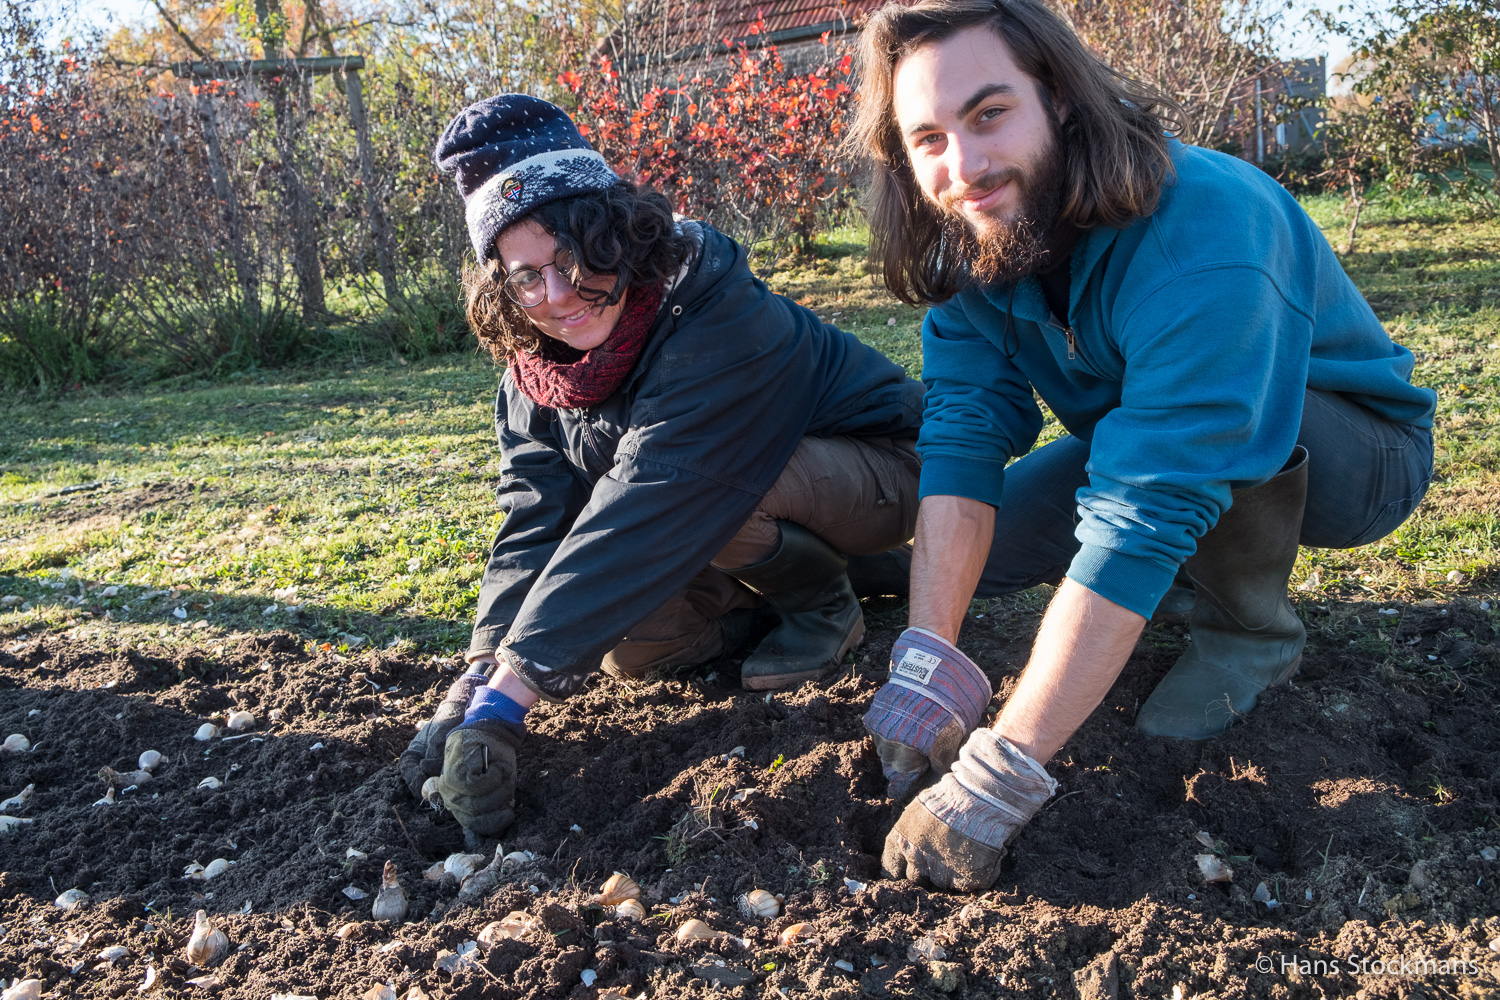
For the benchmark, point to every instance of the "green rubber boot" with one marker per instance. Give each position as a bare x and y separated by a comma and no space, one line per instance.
1246,636
804,581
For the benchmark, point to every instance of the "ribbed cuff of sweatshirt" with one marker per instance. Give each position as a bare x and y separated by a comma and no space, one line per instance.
1134,583
972,478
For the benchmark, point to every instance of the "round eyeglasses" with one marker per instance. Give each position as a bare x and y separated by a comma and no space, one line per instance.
527,287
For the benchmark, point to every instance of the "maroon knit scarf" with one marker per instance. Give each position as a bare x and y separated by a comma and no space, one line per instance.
562,378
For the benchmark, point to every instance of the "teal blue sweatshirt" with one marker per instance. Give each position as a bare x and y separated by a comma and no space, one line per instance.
1190,336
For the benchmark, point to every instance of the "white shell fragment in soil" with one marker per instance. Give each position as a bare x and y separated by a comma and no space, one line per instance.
1262,893
616,889
72,899
23,989
355,854
114,953
240,720
467,954
208,944
854,887
206,732
795,933
353,892
759,904
695,930
149,981
512,928
390,902
19,799
430,793
10,824
210,782
1206,839
1213,868
926,948
461,866
380,991
15,743
631,909
215,868
150,759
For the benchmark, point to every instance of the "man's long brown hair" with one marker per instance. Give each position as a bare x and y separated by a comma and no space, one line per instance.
1114,137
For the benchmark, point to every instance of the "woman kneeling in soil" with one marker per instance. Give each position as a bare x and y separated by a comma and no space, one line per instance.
678,446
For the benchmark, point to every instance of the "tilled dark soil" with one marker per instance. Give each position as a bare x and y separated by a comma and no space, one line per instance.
1363,798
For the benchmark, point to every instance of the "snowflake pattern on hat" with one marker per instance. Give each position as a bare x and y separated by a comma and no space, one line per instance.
512,154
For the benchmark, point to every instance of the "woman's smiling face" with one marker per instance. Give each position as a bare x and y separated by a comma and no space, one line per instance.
564,314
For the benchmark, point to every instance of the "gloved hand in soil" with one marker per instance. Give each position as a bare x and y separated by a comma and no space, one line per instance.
423,757
953,835
478,782
935,697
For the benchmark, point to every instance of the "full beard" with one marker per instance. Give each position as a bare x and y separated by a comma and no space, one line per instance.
1006,250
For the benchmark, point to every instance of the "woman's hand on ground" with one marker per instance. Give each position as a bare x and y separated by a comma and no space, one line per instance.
423,757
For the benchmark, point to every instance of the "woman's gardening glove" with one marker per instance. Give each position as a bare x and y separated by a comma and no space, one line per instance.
423,757
933,700
953,835
478,783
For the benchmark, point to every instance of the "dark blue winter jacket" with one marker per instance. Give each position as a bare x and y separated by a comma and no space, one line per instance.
610,510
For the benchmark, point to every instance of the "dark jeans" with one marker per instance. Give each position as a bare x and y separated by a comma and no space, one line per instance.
1365,475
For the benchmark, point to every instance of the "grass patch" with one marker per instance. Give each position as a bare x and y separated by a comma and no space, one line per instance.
357,502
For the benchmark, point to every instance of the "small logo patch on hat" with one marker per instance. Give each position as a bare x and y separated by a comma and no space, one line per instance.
510,190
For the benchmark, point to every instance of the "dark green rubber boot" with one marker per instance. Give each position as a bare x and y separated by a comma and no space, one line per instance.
1246,636
804,581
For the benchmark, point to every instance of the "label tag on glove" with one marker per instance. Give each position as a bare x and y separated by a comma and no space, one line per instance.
917,665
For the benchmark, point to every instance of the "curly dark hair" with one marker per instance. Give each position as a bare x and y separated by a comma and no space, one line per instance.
625,231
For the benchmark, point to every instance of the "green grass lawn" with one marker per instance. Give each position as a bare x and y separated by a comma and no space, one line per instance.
355,505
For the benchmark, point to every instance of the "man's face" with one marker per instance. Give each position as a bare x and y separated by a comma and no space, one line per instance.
982,141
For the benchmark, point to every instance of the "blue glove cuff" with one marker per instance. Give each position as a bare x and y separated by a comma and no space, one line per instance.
491,704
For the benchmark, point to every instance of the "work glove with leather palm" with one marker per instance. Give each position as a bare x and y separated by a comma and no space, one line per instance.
478,783
921,716
423,757
953,835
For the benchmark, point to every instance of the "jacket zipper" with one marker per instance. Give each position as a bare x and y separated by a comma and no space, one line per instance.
1067,332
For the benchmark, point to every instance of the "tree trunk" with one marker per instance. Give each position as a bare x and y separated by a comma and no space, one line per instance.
301,217
1358,203
245,272
385,255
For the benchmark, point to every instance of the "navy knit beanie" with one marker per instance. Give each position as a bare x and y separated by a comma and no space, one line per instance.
514,153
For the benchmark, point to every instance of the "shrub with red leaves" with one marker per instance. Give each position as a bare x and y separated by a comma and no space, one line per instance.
745,144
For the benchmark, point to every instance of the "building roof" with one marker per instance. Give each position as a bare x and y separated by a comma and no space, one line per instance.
696,25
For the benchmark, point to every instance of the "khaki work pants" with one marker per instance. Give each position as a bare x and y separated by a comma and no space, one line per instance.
858,494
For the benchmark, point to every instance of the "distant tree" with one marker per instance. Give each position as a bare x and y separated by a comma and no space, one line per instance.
1207,55
1425,103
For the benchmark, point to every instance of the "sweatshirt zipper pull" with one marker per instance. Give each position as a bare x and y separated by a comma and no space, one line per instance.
1072,344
